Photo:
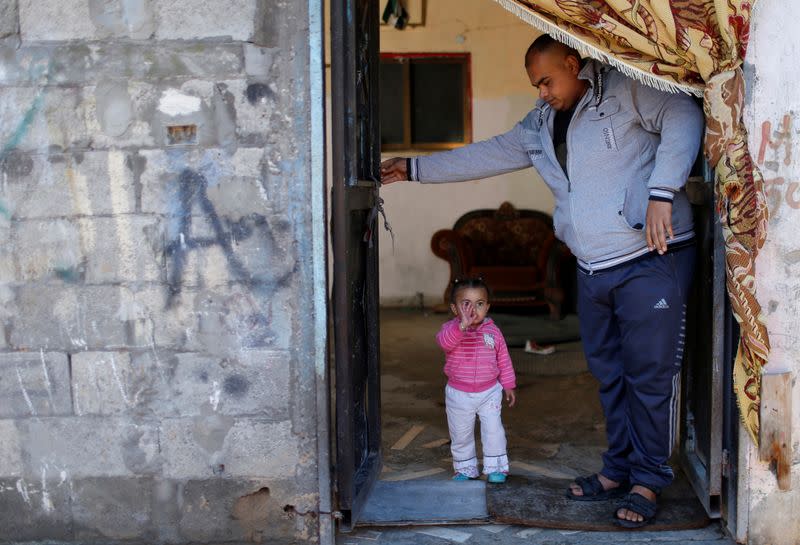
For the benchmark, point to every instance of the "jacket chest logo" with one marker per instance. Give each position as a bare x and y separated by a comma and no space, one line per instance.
488,340
608,138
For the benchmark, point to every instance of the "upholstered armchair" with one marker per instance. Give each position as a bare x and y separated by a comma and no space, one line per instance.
516,253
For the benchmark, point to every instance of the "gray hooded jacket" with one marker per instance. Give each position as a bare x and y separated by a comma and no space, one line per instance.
628,143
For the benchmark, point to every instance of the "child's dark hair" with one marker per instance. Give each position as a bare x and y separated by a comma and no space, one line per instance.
465,283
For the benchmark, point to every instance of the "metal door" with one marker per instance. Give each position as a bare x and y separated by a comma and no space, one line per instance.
709,417
355,134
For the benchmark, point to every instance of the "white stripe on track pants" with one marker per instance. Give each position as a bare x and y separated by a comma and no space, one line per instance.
462,408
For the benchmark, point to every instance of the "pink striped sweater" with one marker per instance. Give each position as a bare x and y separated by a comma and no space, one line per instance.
476,358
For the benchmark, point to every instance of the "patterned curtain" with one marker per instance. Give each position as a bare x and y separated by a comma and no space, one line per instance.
695,46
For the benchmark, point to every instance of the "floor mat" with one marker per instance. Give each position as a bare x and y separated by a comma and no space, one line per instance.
539,501
517,328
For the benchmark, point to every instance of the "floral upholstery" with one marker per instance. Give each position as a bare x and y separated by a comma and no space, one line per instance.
515,251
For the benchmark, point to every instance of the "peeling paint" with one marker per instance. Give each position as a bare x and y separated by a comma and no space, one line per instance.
47,384
22,488
215,395
25,393
47,503
175,103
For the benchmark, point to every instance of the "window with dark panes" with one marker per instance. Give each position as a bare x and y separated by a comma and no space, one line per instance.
425,101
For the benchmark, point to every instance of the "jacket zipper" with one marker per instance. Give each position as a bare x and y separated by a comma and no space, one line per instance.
578,109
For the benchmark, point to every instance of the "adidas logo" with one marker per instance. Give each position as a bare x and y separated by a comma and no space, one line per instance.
662,305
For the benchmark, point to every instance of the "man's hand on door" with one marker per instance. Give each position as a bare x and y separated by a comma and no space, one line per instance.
394,170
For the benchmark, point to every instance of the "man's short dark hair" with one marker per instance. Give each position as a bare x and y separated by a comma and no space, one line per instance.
545,43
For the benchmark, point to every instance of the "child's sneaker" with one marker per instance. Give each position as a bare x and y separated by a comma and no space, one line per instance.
532,348
460,477
496,477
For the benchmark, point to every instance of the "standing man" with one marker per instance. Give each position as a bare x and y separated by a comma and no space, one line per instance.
616,155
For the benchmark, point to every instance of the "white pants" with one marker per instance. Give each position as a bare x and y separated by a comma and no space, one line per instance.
462,407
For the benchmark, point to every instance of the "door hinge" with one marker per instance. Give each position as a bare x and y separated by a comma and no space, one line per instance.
726,463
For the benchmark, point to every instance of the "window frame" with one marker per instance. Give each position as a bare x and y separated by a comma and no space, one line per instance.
405,59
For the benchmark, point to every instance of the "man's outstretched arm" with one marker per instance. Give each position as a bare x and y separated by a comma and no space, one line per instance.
498,155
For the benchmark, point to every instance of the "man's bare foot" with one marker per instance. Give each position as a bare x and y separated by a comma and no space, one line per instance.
626,514
607,483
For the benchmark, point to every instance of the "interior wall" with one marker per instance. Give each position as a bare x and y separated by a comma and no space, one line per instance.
501,96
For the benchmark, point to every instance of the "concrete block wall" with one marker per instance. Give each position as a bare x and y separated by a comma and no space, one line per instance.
156,363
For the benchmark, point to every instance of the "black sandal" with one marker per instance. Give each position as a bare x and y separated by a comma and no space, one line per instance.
640,505
593,490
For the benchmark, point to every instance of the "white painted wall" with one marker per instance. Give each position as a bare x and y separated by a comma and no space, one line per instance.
767,515
501,96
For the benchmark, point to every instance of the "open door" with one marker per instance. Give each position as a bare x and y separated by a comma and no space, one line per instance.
709,417
355,134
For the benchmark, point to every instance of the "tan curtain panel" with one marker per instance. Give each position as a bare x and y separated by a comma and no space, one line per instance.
694,46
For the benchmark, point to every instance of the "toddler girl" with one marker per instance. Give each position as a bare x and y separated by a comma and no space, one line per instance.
479,371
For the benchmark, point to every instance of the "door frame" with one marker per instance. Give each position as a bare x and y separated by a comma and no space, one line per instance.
355,161
319,257
724,337
714,479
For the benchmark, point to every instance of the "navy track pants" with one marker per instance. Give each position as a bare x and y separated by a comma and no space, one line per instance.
633,327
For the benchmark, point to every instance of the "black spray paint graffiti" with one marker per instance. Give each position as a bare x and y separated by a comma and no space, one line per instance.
192,190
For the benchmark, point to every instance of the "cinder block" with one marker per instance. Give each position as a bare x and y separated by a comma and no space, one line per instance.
155,324
122,19
48,250
209,106
8,18
198,19
120,115
262,449
87,63
194,447
252,382
238,510
123,248
215,445
222,321
43,119
258,116
82,447
62,185
258,60
193,181
35,509
269,18
127,248
10,451
52,20
113,508
68,317
44,20
152,61
237,317
104,383
34,384
161,384
167,502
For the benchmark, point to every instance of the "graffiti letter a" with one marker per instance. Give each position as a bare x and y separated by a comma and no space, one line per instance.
192,191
